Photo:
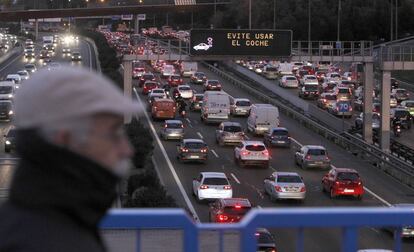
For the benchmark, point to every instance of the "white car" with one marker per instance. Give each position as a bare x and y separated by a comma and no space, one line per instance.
14,78
157,92
212,185
289,81
23,74
185,91
252,153
309,79
202,46
334,76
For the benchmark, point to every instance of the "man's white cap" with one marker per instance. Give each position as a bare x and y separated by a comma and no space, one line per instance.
66,93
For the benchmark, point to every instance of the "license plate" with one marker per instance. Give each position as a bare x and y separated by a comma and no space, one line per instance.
280,141
193,156
349,190
318,162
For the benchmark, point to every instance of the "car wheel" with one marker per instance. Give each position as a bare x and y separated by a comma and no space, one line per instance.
332,193
359,197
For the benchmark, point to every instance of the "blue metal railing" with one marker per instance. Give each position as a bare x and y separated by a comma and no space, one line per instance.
348,219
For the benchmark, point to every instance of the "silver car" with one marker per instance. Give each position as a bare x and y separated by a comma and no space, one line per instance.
312,156
211,186
229,133
285,185
240,106
173,129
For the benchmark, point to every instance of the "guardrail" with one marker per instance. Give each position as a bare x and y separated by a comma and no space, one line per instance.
349,220
386,162
332,48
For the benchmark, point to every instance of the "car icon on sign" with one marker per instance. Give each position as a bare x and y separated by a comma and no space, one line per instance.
202,46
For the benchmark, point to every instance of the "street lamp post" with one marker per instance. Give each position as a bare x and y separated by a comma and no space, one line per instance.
274,14
339,21
309,26
391,20
396,19
250,14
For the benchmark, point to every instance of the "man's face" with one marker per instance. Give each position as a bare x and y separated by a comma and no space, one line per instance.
107,144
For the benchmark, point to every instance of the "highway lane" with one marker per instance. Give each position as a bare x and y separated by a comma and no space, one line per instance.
7,160
251,179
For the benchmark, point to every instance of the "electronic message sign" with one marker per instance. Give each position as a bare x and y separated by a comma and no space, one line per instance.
241,42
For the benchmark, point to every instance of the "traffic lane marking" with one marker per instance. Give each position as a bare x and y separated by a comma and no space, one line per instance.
199,134
235,178
215,154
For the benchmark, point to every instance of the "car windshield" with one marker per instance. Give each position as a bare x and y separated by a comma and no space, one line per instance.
148,76
6,90
175,77
311,87
158,91
401,113
199,98
311,78
243,103
409,104
289,179
5,105
255,147
215,181
348,176
232,128
375,117
401,91
316,152
330,97
271,69
195,145
174,125
150,84
335,76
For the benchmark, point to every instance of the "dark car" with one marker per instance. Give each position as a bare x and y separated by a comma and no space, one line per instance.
196,102
148,86
403,115
175,80
265,240
277,137
9,140
76,56
198,78
192,150
146,77
229,210
212,85
6,110
309,91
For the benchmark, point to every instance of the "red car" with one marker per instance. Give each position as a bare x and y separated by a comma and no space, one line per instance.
146,77
212,85
343,181
175,80
228,210
148,86
138,72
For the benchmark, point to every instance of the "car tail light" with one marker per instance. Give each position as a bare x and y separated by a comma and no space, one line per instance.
303,189
165,126
337,183
245,153
308,157
266,153
278,188
203,187
237,207
222,217
182,125
227,187
359,183
184,149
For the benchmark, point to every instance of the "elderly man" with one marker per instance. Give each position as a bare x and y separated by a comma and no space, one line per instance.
73,152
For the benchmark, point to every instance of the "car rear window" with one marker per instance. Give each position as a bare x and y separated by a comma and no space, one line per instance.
243,103
213,82
199,98
150,84
148,76
311,87
343,91
316,152
271,69
330,97
409,104
401,91
236,211
335,76
158,91
184,88
175,77
255,148
195,145
174,125
6,90
289,179
291,78
401,113
280,133
348,176
199,75
232,128
215,181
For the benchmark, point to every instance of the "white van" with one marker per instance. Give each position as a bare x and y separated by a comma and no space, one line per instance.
215,107
167,71
6,90
262,118
270,72
188,68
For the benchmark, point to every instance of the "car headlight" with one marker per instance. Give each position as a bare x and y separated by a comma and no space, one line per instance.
10,96
17,86
11,112
8,142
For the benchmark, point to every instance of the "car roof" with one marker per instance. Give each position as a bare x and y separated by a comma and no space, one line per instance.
345,170
275,174
279,128
173,121
319,147
183,86
241,99
6,83
213,175
253,143
236,201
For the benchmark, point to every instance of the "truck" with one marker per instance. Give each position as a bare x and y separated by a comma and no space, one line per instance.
47,40
285,69
188,68
215,107
262,118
